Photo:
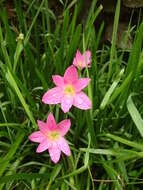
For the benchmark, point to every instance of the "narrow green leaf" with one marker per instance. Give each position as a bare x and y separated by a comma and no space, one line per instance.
33,22
54,174
12,82
18,50
114,37
108,94
4,163
122,87
21,176
4,50
124,141
100,151
135,115
84,167
114,176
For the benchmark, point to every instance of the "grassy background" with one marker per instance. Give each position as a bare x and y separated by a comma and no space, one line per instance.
106,142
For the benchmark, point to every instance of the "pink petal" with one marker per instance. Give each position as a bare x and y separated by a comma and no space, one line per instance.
55,153
43,126
71,74
79,56
63,126
63,146
75,62
88,56
44,145
82,101
77,59
51,122
58,80
66,103
52,96
81,84
37,137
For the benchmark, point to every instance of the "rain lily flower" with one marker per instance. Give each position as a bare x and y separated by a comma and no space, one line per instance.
68,91
51,137
82,60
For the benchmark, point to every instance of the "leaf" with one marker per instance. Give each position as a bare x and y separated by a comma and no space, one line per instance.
108,94
124,141
12,82
114,37
54,174
23,176
136,117
5,161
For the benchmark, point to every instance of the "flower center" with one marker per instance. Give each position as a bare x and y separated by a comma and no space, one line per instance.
69,90
80,64
53,135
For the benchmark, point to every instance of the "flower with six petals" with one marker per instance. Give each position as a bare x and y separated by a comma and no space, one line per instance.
82,60
68,91
51,137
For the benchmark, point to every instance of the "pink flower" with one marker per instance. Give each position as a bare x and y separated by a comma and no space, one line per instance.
68,91
51,137
82,60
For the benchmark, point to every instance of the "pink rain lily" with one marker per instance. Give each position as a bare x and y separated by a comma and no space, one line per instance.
68,91
51,137
82,60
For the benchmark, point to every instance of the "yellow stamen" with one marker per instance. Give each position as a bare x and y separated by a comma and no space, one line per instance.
69,90
80,64
53,135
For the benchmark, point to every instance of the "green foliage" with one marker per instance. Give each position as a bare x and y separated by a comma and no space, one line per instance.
106,142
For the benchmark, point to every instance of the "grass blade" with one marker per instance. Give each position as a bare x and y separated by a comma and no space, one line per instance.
135,115
124,141
12,82
108,94
4,163
114,37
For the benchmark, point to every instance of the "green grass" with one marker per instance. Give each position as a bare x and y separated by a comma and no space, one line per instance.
106,142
